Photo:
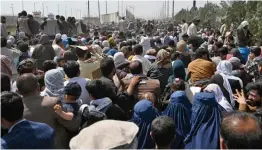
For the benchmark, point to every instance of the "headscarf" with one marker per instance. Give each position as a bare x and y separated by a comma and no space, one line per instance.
120,60
44,39
105,43
205,122
58,36
219,96
144,114
225,68
5,65
179,109
12,39
111,41
243,24
83,40
21,35
111,52
54,83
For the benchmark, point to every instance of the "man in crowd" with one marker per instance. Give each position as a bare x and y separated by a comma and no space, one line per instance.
240,130
23,24
36,105
138,50
50,26
201,68
192,29
22,134
184,27
72,71
33,24
163,132
3,27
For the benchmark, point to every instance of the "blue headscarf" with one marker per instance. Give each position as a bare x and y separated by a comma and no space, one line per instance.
111,52
144,114
205,122
179,109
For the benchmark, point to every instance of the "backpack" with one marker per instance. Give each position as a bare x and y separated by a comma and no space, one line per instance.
89,114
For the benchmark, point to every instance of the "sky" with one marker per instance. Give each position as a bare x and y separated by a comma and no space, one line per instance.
142,8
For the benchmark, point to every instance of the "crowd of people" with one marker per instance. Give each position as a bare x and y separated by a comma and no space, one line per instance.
133,86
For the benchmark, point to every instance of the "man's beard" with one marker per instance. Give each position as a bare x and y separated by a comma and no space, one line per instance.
254,103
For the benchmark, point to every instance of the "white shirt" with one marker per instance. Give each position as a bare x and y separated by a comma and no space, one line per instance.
82,82
57,50
10,129
122,25
192,30
3,30
184,28
145,63
145,42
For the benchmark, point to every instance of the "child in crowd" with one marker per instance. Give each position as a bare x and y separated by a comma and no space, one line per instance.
70,106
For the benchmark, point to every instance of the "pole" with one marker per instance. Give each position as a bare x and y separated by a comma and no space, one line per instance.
98,9
58,9
88,9
23,4
65,12
118,7
173,5
43,9
122,8
106,6
46,10
13,12
167,8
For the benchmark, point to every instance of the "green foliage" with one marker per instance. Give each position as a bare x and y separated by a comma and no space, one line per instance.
232,12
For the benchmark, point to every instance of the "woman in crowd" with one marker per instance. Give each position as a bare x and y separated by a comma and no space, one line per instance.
226,81
205,122
179,109
144,114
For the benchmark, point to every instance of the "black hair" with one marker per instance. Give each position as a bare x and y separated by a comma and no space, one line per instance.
49,65
174,56
3,42
57,16
201,52
223,50
185,35
219,44
163,131
23,47
183,20
26,66
12,107
71,69
255,86
178,85
138,49
73,89
194,41
69,55
27,83
24,13
256,51
136,67
3,17
96,88
237,138
122,44
5,82
107,65
171,43
59,59
80,53
30,16
232,45
62,18
57,41
41,80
